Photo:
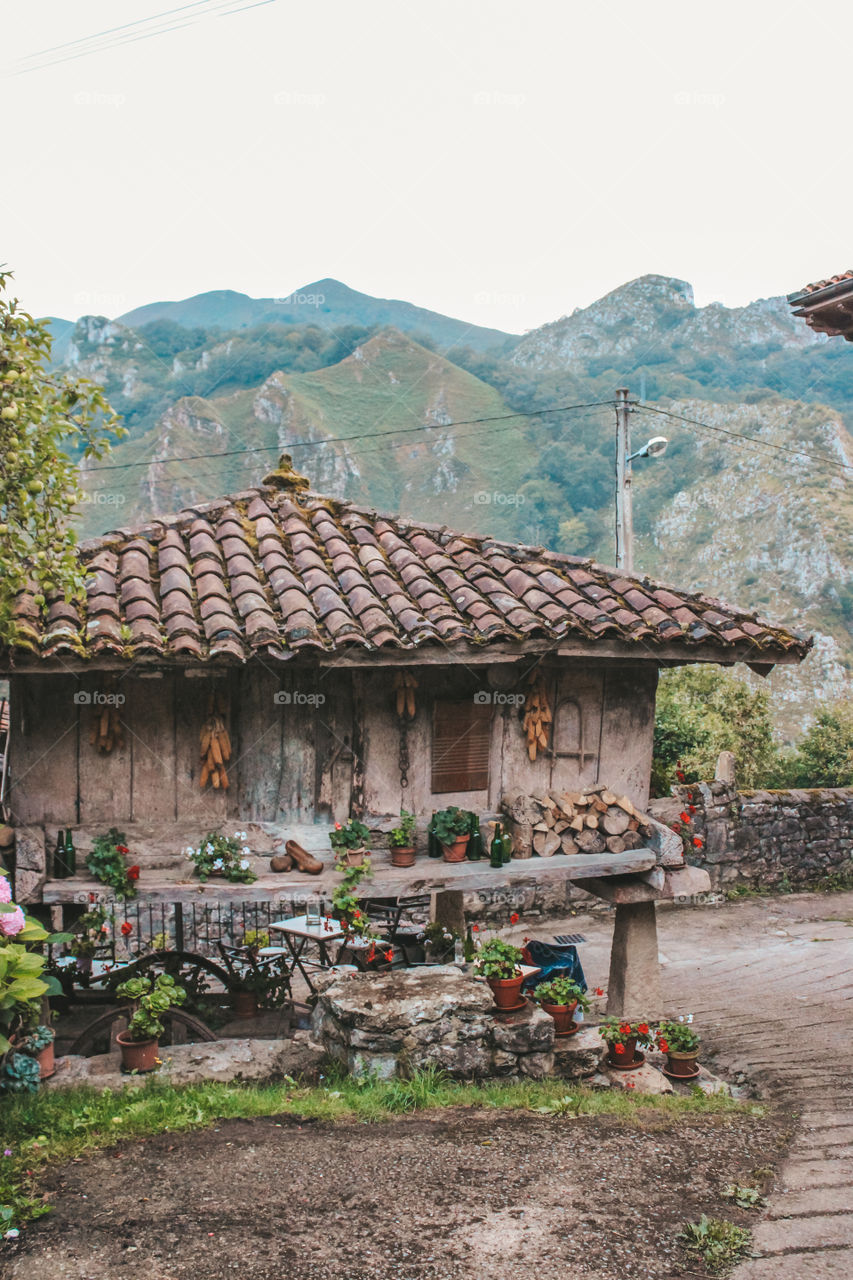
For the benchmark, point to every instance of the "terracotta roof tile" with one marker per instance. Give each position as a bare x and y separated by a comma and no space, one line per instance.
278,570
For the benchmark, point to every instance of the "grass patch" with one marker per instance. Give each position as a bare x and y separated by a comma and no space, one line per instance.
721,1244
52,1127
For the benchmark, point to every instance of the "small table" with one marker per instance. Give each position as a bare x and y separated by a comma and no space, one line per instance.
298,933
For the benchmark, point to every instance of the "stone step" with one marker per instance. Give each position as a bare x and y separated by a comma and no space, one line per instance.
799,1175
816,1200
827,1264
819,1232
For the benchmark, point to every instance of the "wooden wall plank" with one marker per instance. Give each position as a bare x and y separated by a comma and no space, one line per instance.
334,753
43,749
104,780
150,718
257,722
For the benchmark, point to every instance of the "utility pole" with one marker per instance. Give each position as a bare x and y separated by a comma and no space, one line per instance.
624,509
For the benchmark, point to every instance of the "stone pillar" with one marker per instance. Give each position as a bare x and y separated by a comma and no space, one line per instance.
634,987
446,907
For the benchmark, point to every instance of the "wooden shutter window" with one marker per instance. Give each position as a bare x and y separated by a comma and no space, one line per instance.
461,737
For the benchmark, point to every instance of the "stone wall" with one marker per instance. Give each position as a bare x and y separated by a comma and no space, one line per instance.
775,839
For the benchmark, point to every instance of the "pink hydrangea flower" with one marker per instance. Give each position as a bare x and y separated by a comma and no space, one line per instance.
12,922
5,890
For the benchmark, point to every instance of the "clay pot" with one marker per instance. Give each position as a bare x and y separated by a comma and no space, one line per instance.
244,1004
562,1014
46,1061
402,856
137,1055
682,1064
355,857
506,991
456,852
622,1059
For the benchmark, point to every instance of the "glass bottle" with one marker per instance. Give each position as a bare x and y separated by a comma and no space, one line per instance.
470,949
70,855
433,845
475,844
506,842
60,871
496,848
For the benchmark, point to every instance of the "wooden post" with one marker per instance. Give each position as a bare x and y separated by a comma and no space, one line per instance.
446,908
634,987
624,511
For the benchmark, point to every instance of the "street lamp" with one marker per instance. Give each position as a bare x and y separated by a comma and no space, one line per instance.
624,501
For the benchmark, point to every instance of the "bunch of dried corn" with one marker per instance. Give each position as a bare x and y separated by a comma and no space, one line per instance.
404,689
537,716
106,730
215,744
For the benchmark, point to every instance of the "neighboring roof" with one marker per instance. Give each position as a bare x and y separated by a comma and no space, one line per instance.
827,305
278,570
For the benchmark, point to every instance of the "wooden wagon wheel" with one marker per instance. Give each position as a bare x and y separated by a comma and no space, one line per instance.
185,1029
188,968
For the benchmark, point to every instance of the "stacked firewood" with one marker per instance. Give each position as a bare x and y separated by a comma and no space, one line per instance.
589,821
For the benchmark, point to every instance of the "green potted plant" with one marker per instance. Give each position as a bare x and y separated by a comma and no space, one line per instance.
499,963
622,1038
681,1044
439,943
349,841
560,997
26,1043
226,856
402,841
90,932
149,999
452,828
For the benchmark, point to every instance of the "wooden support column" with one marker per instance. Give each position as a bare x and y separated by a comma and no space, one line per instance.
446,908
634,988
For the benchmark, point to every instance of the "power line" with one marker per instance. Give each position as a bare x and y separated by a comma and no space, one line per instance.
366,435
753,441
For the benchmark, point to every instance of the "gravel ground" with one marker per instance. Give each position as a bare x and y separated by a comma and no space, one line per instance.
441,1196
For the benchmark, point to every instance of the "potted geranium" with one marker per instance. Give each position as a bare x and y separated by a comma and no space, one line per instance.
150,999
349,841
439,943
622,1038
452,828
680,1043
560,997
499,962
402,840
90,933
226,856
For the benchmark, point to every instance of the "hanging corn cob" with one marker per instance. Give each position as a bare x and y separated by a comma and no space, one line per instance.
106,730
404,690
215,743
537,716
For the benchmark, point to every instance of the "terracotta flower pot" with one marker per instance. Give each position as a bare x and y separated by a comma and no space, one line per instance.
625,1059
507,991
456,852
402,856
355,857
46,1061
682,1064
137,1055
563,1015
244,1004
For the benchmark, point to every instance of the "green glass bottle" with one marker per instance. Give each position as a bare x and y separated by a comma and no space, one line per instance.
433,844
60,870
70,855
496,848
470,949
506,842
475,844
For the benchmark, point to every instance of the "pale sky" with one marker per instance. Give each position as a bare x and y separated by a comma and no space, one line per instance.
500,162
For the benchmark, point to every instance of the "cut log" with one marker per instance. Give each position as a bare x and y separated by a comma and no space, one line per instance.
615,821
540,826
548,818
615,844
569,845
608,797
591,821
590,842
581,802
599,805
634,824
546,844
578,823
632,840
559,827
624,803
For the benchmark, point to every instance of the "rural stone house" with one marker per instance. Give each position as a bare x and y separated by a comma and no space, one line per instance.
293,618
827,305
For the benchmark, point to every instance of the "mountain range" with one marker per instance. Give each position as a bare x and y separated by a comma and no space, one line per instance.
408,410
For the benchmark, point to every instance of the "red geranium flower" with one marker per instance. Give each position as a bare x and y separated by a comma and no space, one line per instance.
697,840
673,826
599,991
685,817
126,928
514,918
93,897
691,808
679,775
371,954
475,928
389,954
664,1047
629,1084
619,1048
625,1028
643,1028
122,848
356,915
133,873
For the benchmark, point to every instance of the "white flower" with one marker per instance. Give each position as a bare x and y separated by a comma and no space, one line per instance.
690,1017
243,835
244,865
245,851
681,1017
208,848
218,864
238,836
